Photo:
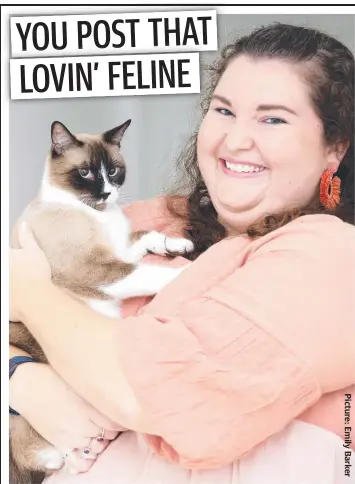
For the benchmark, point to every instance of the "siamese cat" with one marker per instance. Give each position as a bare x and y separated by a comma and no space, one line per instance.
92,252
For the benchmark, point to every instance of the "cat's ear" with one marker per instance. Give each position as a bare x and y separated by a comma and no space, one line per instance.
62,139
115,135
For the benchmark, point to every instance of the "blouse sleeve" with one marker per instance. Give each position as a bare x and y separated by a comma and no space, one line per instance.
234,366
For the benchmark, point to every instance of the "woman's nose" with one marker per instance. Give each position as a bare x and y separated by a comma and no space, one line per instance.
238,137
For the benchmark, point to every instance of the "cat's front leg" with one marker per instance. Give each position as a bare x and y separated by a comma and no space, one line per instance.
157,243
145,280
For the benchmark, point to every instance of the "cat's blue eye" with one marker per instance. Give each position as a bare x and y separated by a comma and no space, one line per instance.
85,173
224,111
113,171
273,120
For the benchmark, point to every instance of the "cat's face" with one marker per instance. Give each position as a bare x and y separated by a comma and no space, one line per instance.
89,166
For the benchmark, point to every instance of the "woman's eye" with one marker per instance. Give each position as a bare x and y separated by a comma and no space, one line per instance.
84,172
113,171
224,111
274,121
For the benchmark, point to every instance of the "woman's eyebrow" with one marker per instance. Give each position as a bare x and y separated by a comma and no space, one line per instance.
222,99
270,107
261,107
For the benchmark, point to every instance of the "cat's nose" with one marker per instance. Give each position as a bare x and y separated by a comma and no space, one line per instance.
105,195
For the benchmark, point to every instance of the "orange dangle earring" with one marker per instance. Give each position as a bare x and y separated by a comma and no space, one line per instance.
330,188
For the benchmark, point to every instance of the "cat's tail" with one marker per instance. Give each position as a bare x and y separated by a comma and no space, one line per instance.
19,475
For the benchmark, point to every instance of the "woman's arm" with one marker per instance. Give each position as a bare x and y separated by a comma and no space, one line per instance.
51,407
82,346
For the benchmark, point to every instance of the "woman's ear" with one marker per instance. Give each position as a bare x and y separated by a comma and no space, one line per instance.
337,152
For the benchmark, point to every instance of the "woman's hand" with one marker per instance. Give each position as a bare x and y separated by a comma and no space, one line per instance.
28,269
59,415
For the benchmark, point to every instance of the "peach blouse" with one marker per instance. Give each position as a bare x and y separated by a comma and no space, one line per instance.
253,335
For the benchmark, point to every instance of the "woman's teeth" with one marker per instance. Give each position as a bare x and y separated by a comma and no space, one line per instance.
243,168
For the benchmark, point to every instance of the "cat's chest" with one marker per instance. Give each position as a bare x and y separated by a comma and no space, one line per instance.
115,229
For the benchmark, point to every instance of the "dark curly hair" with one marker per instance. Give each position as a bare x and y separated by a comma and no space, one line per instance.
330,74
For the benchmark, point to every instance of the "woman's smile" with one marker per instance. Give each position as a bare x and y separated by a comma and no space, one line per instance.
242,169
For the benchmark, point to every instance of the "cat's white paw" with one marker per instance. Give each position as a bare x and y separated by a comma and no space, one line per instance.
50,458
179,245
158,243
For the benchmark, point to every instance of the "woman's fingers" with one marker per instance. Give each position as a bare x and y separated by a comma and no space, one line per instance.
81,460
98,446
93,445
77,464
103,422
97,433
78,461
109,434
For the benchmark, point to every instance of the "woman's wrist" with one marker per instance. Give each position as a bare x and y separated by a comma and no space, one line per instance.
14,351
23,383
14,386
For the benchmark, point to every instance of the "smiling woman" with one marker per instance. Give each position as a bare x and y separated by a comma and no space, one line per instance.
269,127
277,126
236,371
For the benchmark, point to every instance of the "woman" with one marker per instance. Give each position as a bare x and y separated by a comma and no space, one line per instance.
237,370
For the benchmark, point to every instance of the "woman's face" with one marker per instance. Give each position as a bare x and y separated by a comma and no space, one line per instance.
260,147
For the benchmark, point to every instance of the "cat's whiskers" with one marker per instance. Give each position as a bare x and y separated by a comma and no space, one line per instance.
125,200
88,200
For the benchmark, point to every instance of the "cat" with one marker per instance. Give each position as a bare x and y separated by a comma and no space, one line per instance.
92,252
